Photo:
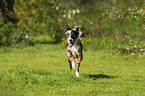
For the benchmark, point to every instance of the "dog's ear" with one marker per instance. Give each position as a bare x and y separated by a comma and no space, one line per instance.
76,27
67,27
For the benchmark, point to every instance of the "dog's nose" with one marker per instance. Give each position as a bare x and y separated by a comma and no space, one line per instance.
70,40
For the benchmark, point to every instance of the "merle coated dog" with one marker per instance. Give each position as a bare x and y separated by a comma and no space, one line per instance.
74,48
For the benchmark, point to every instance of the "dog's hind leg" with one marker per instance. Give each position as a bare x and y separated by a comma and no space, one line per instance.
70,67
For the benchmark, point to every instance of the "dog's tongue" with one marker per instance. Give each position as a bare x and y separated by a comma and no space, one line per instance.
70,44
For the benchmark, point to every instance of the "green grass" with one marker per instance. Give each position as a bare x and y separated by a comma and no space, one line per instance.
42,70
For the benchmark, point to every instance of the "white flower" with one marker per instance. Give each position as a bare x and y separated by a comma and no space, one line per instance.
132,53
91,22
64,11
74,11
127,48
78,11
57,8
64,16
135,46
141,49
69,16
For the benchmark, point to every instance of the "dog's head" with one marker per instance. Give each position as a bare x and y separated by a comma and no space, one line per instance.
72,37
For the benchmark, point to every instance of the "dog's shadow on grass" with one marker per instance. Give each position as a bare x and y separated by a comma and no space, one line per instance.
98,76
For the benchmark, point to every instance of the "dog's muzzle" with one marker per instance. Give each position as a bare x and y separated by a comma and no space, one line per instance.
71,42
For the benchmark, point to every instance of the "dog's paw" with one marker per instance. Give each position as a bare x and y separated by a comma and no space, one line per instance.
77,74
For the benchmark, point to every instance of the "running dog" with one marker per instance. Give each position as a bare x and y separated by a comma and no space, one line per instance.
73,48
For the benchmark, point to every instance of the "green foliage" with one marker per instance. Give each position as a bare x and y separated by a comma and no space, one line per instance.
11,36
7,12
38,17
5,33
96,18
22,39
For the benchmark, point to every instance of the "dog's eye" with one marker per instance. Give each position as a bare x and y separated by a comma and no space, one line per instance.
73,34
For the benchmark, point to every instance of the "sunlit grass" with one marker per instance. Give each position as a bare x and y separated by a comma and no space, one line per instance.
42,70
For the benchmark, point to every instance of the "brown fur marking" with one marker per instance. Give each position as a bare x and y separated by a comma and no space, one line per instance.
79,59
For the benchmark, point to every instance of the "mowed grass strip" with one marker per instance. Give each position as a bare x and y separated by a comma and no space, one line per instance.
42,70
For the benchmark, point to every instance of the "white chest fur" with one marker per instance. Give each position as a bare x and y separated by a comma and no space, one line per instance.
74,50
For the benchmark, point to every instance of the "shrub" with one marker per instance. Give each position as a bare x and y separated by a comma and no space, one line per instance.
12,36
21,39
5,33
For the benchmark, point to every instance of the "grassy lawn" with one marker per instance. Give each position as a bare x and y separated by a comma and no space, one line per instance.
42,70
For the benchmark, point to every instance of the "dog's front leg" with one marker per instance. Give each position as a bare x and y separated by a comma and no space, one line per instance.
72,63
78,65
70,60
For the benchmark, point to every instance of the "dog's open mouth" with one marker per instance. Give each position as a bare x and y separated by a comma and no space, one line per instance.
70,42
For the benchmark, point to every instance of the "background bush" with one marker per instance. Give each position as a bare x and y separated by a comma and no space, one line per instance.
12,36
98,19
5,33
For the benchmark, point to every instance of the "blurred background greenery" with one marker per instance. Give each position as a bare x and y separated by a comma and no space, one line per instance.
22,20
